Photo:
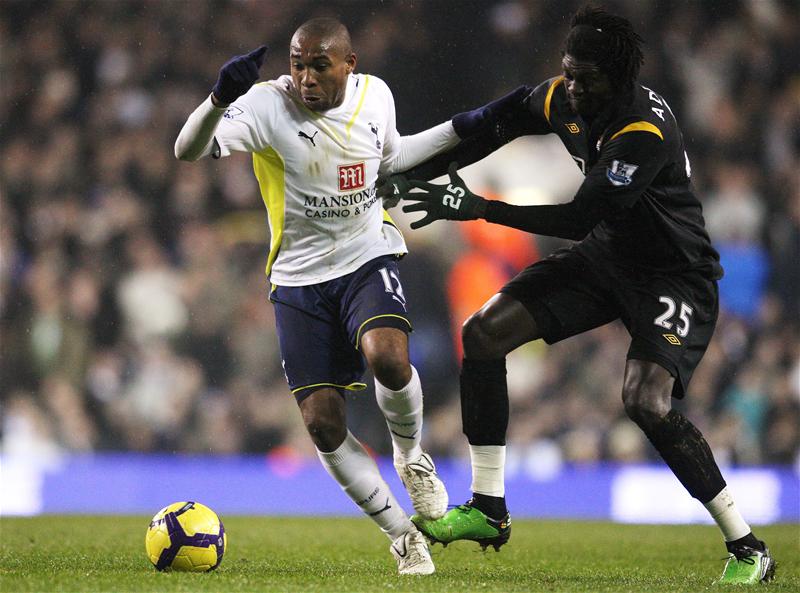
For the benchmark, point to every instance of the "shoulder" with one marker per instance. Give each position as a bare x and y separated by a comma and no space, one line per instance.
547,97
647,113
372,83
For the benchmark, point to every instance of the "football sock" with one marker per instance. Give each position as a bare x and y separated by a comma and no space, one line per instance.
730,521
493,507
488,465
687,454
749,540
355,471
403,412
484,401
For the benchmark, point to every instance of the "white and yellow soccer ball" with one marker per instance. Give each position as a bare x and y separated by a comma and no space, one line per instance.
186,537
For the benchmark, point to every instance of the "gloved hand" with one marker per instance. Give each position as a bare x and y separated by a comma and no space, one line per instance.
391,188
444,202
469,123
237,75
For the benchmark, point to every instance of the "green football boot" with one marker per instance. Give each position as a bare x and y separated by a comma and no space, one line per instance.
465,522
747,566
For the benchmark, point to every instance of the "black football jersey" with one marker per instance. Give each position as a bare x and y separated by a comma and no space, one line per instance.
635,206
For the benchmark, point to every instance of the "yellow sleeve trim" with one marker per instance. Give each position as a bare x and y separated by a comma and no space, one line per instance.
361,327
639,126
549,96
358,107
350,387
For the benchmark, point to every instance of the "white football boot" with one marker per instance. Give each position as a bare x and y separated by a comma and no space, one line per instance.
427,492
412,553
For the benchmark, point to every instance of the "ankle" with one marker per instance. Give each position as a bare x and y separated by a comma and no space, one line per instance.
492,506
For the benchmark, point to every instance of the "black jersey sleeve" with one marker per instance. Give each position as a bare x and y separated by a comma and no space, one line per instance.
627,166
520,113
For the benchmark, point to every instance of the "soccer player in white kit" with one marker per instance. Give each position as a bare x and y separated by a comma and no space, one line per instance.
319,139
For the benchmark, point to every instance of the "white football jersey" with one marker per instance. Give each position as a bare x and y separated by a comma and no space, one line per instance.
317,174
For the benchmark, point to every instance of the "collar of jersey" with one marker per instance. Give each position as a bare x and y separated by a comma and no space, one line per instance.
349,97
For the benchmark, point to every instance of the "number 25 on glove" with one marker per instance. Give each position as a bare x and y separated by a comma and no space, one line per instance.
453,201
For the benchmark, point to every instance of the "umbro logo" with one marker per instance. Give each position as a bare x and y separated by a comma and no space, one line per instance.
672,339
302,134
573,128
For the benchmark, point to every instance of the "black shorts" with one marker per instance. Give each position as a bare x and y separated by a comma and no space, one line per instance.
670,317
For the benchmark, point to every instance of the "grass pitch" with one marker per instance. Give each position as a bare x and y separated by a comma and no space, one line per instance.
105,553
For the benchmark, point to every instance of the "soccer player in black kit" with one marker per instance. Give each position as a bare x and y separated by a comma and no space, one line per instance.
641,255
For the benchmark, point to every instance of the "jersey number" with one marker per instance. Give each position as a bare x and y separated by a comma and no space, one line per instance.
395,291
454,198
684,321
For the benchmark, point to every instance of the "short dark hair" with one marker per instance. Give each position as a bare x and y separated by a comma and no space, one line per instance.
607,40
326,27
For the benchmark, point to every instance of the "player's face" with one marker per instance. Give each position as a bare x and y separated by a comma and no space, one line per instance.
588,88
319,69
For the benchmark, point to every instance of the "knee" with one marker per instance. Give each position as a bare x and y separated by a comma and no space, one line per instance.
327,429
391,367
479,338
646,399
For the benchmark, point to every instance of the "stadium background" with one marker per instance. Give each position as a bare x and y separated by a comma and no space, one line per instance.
133,315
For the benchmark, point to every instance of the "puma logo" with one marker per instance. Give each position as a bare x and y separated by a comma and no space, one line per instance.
302,134
386,508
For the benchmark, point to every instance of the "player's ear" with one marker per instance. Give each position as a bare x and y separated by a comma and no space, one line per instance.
350,63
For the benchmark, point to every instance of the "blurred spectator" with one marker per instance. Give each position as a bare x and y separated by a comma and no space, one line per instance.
134,311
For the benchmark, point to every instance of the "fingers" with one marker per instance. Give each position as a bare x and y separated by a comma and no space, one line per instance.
257,55
452,171
423,222
421,185
418,207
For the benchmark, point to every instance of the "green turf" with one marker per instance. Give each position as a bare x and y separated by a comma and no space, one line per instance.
348,555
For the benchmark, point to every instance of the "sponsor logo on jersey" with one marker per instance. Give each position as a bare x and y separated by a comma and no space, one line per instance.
573,128
351,177
620,173
672,339
232,112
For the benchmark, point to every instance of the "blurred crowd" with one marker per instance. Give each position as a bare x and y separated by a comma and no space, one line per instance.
133,301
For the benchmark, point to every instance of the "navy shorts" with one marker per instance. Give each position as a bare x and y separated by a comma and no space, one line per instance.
670,317
320,326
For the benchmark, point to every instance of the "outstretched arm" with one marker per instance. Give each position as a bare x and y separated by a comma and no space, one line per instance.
626,168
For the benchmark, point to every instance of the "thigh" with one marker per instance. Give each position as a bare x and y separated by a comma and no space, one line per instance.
374,298
671,319
315,350
565,295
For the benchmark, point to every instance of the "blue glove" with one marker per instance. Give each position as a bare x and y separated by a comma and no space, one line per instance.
472,122
237,75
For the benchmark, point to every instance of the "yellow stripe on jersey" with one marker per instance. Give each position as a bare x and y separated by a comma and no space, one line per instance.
270,169
358,107
549,96
388,218
639,126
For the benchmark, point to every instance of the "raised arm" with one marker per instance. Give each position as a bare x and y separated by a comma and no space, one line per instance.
236,76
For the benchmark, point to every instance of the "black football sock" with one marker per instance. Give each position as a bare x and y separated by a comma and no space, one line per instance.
687,454
748,540
484,401
493,507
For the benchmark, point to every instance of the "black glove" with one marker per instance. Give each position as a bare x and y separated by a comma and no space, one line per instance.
237,75
444,202
391,188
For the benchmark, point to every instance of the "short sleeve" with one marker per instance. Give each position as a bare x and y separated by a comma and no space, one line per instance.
247,123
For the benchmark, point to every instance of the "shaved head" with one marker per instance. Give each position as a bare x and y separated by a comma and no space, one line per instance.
332,35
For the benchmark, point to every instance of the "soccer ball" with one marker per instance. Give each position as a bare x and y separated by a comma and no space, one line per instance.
187,537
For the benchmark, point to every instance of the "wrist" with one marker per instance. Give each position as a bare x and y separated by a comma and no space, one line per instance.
217,103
